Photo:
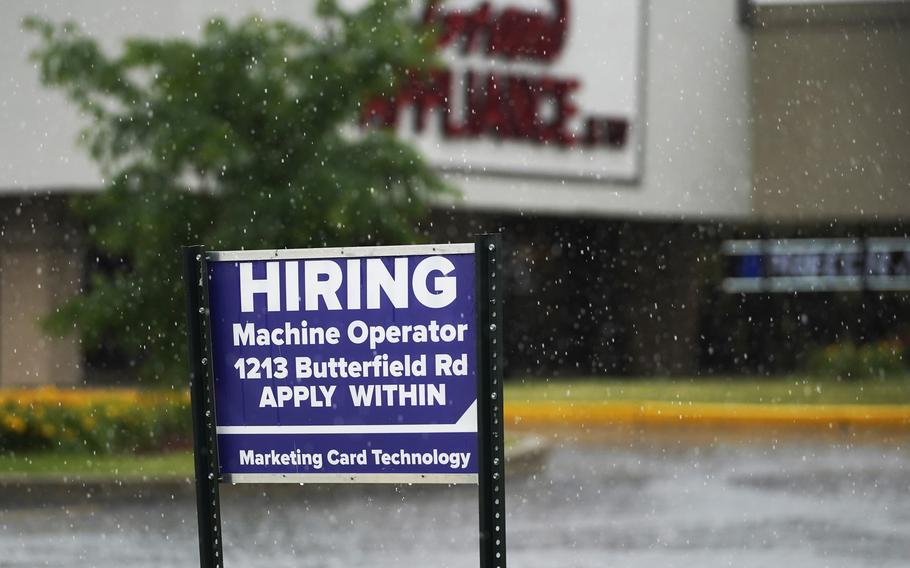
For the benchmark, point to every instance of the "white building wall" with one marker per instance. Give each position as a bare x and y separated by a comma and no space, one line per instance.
695,159
696,154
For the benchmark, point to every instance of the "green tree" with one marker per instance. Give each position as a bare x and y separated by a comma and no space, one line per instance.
241,138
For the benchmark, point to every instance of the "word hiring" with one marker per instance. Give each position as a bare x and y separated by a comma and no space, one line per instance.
325,280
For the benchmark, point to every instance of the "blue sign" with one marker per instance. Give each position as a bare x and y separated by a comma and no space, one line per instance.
345,365
817,265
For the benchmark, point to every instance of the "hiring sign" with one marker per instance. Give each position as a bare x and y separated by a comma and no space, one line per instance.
345,365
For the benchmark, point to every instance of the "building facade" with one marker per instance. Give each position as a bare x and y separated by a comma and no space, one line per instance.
638,136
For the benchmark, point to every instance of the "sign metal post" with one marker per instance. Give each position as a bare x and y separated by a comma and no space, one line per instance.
491,473
205,454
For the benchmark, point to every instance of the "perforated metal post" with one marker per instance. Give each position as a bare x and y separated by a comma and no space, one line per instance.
491,479
205,446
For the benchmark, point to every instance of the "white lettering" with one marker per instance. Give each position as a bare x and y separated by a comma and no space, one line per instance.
326,288
249,287
243,334
444,285
395,287
267,398
353,278
388,281
292,286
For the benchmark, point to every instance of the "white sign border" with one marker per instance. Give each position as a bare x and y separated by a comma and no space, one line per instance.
372,478
339,478
330,252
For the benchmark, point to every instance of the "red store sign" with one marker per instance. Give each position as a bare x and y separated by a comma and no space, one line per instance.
512,79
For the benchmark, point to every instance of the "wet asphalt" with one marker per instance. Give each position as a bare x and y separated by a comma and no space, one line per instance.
822,503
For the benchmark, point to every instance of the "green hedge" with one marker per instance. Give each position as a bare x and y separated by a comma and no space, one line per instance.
847,361
94,420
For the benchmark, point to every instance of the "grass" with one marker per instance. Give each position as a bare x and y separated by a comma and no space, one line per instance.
791,390
116,466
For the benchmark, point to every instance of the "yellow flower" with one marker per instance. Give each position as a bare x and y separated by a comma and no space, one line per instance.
14,423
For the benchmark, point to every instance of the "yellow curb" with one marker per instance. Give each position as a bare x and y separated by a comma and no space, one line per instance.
646,412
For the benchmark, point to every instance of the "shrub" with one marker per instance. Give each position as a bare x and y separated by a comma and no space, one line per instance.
94,420
847,361
255,116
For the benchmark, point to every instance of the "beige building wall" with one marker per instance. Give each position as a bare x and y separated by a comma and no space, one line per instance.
831,111
40,265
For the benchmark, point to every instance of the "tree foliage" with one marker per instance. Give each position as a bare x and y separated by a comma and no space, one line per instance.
241,138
